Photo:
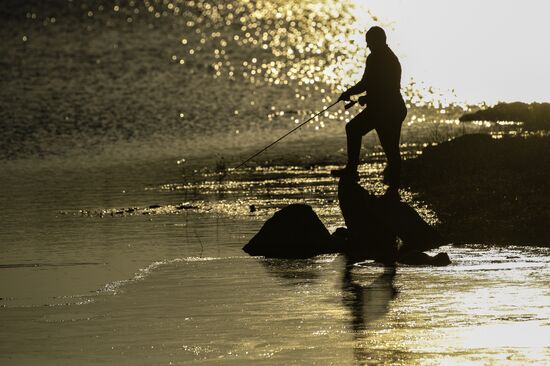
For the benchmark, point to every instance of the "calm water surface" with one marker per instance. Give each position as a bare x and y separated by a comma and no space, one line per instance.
83,283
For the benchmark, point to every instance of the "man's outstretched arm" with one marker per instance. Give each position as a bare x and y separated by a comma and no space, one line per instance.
358,88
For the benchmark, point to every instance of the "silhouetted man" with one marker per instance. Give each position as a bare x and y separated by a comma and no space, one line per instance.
385,110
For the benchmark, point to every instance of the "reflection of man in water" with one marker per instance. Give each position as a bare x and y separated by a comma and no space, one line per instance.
385,110
368,304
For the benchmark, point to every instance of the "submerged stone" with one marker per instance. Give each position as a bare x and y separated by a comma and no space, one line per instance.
293,232
420,258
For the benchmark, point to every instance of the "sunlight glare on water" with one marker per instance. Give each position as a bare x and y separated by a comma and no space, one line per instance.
156,77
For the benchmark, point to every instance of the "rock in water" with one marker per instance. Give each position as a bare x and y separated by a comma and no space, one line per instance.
416,234
419,258
369,236
375,222
293,232
373,225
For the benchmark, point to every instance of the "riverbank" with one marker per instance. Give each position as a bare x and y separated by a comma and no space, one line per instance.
486,190
534,116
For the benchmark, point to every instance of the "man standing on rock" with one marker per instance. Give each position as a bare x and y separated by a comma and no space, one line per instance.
385,110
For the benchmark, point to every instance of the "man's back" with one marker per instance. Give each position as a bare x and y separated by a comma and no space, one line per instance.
383,77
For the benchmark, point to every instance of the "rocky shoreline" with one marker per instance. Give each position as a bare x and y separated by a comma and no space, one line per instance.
485,190
373,226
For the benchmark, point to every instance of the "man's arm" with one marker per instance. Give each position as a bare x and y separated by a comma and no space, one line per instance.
358,88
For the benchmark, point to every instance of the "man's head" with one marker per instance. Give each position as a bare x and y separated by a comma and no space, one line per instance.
375,37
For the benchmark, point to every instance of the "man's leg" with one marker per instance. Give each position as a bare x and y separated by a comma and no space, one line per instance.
389,135
355,129
389,132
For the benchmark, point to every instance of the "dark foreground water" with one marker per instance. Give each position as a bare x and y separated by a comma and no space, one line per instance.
120,246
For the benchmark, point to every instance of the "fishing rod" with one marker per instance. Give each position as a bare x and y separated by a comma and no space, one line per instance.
347,106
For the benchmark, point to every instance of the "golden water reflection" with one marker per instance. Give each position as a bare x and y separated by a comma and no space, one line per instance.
238,72
317,48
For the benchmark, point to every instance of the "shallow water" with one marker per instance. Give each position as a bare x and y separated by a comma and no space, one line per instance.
235,309
121,245
83,283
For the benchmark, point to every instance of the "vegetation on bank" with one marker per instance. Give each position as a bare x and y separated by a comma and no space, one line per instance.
485,190
535,116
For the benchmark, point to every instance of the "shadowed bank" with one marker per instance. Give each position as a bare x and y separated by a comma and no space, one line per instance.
487,190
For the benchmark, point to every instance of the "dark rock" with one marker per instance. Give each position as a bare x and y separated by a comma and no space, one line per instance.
293,232
418,258
369,236
186,207
376,222
373,225
341,232
409,226
154,206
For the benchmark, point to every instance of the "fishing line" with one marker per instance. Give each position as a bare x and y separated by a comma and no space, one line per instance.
347,106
